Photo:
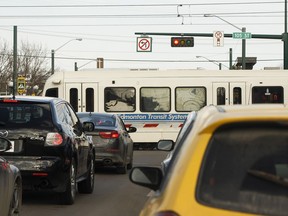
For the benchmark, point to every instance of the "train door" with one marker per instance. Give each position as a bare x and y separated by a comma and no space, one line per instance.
228,93
82,96
237,93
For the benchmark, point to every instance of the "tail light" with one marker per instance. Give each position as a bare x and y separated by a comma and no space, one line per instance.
54,139
109,134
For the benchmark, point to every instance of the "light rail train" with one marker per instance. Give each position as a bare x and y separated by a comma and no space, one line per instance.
158,101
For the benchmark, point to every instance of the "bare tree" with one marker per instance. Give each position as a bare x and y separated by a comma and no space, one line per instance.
6,66
31,64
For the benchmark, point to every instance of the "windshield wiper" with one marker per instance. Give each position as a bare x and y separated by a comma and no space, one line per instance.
270,177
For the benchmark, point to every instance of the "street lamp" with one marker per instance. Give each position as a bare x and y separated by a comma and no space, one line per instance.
219,64
243,29
54,50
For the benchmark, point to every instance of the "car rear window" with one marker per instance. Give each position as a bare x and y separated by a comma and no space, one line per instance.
245,169
23,115
98,120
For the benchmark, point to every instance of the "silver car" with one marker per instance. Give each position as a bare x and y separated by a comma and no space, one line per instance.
113,144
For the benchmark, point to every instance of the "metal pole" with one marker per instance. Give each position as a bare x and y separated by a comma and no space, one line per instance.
220,66
243,50
52,61
230,58
285,40
54,50
14,61
75,66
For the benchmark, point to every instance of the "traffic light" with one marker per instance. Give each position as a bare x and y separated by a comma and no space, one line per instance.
182,41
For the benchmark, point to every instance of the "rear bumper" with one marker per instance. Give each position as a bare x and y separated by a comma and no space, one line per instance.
42,174
108,159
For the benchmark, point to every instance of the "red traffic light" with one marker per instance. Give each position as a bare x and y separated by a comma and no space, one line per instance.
175,42
182,41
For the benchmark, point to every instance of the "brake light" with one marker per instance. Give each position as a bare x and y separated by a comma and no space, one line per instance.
54,139
9,101
109,134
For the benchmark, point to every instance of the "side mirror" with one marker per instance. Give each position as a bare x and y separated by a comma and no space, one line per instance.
150,177
165,145
5,144
132,129
88,126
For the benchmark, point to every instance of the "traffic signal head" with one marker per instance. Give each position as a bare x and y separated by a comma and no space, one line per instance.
182,41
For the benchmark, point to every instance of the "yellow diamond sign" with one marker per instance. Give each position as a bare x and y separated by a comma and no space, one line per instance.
21,85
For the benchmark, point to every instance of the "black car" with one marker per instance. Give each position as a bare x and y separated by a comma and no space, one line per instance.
114,146
10,184
49,145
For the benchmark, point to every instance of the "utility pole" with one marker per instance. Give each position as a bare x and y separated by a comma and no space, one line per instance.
14,60
285,39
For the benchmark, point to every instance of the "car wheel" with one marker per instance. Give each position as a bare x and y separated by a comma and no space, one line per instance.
68,196
16,200
87,186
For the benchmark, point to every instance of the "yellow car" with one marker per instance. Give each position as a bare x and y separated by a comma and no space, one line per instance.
234,161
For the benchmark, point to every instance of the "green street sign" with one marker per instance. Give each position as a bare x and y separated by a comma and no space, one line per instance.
241,35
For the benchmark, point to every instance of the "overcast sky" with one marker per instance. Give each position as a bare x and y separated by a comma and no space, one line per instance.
108,31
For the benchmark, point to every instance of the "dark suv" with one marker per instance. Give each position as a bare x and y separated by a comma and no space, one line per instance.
49,145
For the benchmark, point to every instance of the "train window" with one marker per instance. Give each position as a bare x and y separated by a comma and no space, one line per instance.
74,98
119,99
237,95
89,100
52,92
267,94
190,98
155,99
221,96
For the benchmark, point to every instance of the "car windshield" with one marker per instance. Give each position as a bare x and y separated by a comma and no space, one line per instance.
246,169
98,120
19,115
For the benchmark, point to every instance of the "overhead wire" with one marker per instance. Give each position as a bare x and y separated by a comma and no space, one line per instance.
226,14
140,5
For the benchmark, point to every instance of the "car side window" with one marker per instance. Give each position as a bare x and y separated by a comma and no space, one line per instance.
121,123
72,115
63,114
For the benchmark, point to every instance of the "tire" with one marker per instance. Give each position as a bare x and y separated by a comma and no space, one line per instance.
68,196
87,186
16,200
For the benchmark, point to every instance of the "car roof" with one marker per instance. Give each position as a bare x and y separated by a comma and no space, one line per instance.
96,114
31,98
214,116
193,151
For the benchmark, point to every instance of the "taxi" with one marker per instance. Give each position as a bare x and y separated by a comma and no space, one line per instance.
233,162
